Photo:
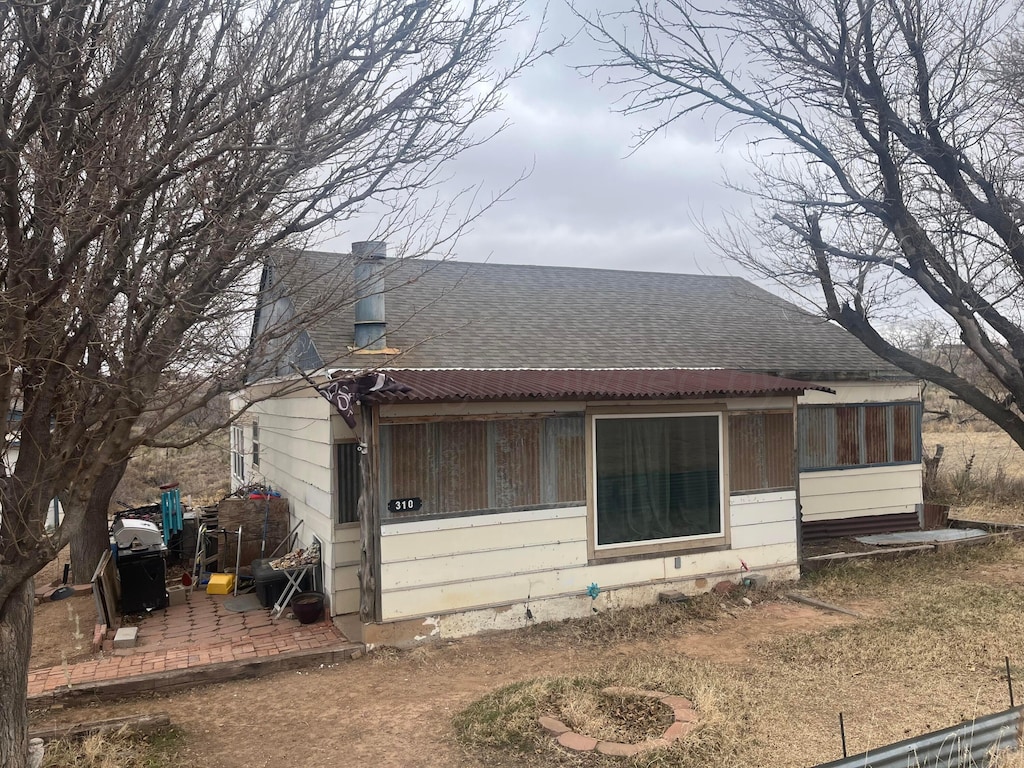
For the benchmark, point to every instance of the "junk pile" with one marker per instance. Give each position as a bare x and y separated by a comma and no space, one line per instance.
298,557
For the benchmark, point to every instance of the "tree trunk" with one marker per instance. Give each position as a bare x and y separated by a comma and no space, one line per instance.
91,540
15,649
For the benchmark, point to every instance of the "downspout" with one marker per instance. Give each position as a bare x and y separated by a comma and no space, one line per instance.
796,483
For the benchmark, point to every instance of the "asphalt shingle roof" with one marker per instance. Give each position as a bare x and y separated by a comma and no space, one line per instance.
447,314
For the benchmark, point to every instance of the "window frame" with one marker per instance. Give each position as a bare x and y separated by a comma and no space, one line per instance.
863,449
548,470
238,453
665,547
255,430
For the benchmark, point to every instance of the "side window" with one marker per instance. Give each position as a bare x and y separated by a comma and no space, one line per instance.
349,482
255,442
238,453
836,437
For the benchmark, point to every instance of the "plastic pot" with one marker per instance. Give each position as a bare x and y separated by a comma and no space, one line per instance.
308,607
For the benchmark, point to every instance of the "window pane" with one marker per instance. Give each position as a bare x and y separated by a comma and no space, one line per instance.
847,436
876,441
746,452
410,464
564,460
657,478
816,429
760,451
778,446
348,482
462,466
516,462
904,428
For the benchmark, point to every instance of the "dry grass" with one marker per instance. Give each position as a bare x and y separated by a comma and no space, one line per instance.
501,729
120,750
645,623
202,470
981,475
929,654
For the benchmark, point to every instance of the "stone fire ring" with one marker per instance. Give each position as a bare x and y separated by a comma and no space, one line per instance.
685,721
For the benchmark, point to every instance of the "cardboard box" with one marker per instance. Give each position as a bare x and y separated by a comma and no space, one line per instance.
221,584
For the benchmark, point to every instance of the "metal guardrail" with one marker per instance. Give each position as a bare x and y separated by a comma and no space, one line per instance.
968,745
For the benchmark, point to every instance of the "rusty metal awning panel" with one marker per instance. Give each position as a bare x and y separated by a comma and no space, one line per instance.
445,386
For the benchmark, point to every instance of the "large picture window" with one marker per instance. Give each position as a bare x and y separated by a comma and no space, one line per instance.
658,479
839,436
493,465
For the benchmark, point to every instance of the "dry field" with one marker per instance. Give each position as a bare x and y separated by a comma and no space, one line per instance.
769,680
202,470
981,474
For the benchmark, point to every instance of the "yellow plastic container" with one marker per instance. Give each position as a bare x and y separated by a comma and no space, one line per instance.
221,584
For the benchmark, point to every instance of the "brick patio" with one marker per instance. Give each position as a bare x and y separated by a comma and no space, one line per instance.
199,633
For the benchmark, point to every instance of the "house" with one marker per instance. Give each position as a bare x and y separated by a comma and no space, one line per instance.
558,428
9,451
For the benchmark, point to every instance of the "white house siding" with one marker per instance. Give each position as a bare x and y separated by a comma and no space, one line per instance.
837,494
468,574
843,493
861,392
296,458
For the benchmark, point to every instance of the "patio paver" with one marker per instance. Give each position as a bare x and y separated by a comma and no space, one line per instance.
195,634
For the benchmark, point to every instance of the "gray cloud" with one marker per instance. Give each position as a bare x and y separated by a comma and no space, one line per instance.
590,200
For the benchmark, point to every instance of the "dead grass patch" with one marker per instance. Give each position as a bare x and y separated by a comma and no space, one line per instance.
201,470
501,728
121,750
930,656
645,623
981,474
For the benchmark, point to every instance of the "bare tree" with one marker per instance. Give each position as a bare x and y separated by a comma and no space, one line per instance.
153,155
887,148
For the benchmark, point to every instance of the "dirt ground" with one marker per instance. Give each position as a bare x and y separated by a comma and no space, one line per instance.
62,630
393,710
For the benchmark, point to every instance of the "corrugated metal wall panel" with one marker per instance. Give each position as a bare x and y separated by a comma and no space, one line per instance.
971,744
859,526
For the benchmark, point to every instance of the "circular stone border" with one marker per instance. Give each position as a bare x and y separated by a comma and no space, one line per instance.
682,709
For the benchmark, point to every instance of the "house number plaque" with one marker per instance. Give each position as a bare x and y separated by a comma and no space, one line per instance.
405,505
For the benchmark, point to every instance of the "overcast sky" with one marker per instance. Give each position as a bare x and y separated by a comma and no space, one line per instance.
589,201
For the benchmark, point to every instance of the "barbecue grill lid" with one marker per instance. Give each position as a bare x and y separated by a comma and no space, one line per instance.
136,534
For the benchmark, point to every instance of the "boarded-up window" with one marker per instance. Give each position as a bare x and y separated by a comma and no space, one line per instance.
760,451
484,465
859,435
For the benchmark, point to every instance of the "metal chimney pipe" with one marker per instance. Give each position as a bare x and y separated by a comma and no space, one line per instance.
370,321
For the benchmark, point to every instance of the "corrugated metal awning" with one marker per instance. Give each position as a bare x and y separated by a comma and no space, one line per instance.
446,386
